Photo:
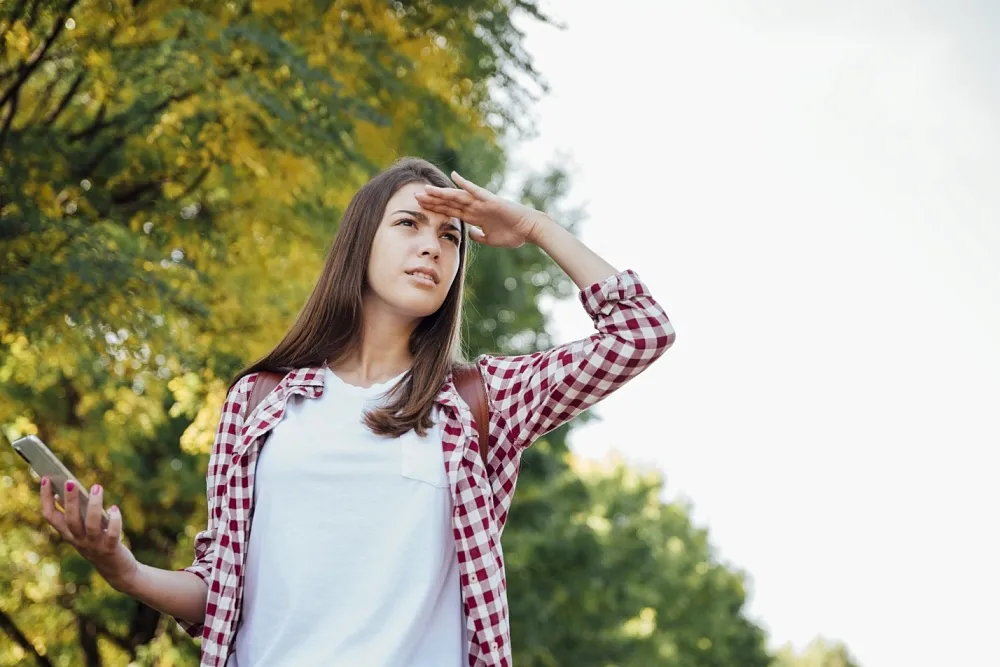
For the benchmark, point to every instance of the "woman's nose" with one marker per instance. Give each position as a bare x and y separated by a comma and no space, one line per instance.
430,247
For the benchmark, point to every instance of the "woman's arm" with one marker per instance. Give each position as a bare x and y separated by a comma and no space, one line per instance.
508,224
583,265
177,593
531,394
180,594
534,393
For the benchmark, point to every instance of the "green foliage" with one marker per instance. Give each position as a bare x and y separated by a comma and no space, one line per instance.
819,653
599,567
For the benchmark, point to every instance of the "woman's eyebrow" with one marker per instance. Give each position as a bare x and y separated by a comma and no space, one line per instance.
416,214
423,218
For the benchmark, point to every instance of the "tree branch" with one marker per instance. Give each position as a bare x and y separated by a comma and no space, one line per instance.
32,14
198,180
142,629
9,120
115,141
95,126
87,627
101,629
101,124
67,98
14,69
97,158
28,66
135,191
7,625
42,100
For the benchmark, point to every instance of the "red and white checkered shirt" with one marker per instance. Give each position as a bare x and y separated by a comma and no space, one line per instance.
529,396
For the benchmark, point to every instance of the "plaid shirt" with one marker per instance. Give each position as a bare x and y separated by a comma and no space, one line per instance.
529,396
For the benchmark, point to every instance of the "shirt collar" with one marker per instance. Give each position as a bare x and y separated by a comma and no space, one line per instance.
314,376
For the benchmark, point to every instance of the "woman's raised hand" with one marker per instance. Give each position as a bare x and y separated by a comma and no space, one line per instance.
502,223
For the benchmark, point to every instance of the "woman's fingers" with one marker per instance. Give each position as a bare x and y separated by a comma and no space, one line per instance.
477,234
114,534
71,507
451,211
451,194
94,511
50,512
89,537
48,500
439,205
469,186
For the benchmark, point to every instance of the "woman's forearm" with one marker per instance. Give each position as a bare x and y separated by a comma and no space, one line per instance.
173,592
584,266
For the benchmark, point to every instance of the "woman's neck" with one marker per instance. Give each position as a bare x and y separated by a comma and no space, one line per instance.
383,353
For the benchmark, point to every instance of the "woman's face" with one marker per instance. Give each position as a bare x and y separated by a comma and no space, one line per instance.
414,257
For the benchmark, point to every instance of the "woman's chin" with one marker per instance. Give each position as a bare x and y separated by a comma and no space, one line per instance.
417,304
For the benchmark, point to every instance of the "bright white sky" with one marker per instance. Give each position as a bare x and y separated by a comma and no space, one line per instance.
812,190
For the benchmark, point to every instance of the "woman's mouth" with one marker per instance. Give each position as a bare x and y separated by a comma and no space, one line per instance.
422,278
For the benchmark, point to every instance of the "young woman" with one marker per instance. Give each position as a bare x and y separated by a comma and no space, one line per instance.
367,531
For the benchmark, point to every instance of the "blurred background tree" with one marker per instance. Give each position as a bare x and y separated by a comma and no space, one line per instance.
820,652
171,175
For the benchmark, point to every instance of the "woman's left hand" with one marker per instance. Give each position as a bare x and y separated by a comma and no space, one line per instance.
502,223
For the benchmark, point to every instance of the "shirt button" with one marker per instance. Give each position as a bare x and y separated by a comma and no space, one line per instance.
494,647
472,577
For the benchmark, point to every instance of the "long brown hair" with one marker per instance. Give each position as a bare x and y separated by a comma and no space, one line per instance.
329,326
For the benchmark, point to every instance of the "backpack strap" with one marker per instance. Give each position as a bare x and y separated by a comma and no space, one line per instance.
264,385
472,389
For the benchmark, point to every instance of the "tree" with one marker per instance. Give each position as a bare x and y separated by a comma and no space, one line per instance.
171,176
820,652
602,572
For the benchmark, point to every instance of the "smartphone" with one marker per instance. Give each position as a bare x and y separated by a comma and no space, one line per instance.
46,464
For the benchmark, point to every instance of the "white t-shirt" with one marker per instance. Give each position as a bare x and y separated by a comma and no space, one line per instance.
351,558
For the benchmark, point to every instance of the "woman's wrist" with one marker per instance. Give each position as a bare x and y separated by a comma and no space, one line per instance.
541,229
126,581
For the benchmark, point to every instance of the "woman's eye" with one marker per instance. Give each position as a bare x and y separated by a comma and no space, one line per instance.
453,238
408,222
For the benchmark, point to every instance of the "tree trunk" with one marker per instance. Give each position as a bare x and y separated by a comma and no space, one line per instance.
88,641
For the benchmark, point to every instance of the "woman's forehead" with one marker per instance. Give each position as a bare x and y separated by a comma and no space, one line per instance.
404,202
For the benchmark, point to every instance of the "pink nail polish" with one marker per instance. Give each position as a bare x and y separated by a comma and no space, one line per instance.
95,489
69,486
114,509
45,481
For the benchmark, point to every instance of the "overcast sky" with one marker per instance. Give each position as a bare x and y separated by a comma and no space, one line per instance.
812,190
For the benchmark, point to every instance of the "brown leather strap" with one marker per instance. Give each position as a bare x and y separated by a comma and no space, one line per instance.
470,386
264,385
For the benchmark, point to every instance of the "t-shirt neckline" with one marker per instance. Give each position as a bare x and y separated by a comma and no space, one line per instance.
377,388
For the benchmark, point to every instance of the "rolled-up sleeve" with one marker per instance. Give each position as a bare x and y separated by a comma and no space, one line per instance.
532,394
226,439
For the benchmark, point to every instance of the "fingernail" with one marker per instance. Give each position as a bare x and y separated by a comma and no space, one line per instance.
95,489
113,509
69,486
45,481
